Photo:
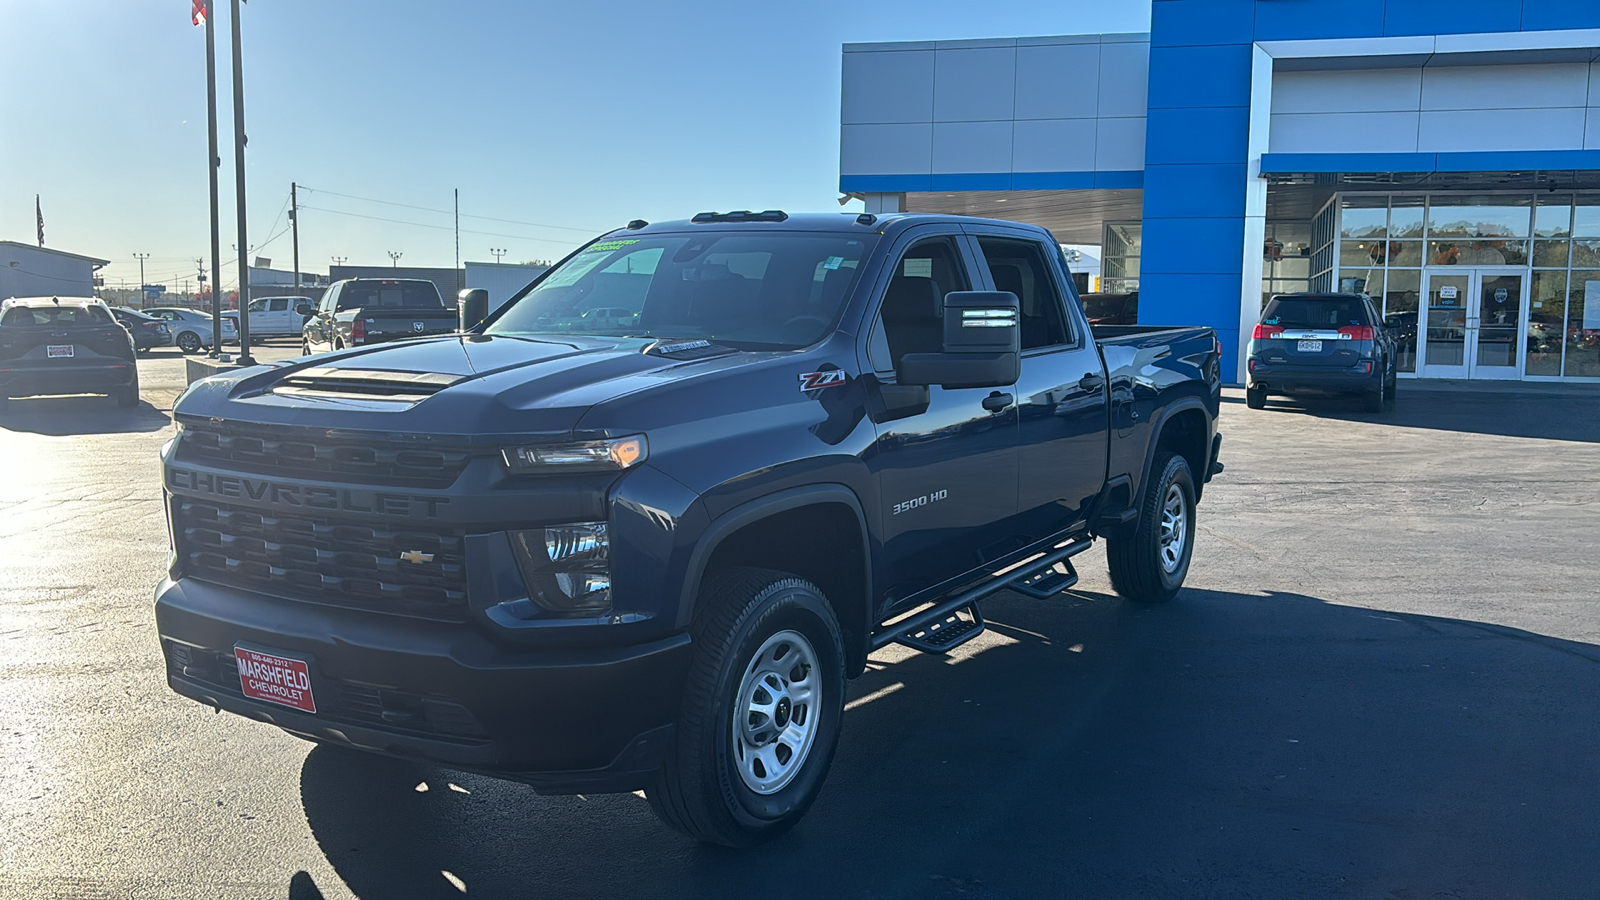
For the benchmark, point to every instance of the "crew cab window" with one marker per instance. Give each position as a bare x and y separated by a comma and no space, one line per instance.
258,306
911,318
279,304
756,290
1020,267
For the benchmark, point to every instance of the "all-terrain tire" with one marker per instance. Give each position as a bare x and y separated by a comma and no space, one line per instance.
704,789
1149,561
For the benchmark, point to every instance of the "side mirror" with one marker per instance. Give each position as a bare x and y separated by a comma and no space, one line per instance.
473,305
304,309
982,344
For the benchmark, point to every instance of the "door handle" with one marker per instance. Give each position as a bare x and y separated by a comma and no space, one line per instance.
1092,381
996,401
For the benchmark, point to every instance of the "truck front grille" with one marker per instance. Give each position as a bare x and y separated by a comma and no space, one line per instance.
332,458
410,571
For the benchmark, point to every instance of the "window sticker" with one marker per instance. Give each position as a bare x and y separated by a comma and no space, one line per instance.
919,268
833,262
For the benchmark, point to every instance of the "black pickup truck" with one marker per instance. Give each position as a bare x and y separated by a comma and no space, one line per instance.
360,311
645,550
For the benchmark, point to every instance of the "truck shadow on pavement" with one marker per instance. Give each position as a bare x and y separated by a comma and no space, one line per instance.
64,416
1574,417
1225,744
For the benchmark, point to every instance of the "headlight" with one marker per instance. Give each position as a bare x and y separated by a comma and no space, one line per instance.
583,456
567,568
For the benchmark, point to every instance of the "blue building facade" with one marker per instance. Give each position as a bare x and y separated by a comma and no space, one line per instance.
1443,157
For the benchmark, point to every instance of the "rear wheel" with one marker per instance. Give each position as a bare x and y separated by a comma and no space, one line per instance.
1149,562
761,710
1394,382
127,396
188,342
1376,399
1255,398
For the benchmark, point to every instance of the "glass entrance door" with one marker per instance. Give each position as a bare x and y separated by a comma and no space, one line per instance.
1473,323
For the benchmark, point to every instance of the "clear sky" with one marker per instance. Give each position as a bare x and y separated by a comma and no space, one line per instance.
577,115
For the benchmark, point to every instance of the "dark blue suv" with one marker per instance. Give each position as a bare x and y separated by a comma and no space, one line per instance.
1321,343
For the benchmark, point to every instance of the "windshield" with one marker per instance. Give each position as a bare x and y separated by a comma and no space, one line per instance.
763,290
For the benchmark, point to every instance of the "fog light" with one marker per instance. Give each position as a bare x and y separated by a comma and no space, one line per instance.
566,567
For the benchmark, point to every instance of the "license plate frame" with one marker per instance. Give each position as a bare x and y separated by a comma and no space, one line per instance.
273,676
59,351
1309,346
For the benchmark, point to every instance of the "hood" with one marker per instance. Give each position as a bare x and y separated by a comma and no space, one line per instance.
476,387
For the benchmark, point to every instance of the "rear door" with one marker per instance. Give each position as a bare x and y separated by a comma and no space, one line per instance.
1061,395
1316,331
946,472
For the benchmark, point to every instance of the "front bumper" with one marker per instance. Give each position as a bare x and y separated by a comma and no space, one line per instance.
564,721
1313,379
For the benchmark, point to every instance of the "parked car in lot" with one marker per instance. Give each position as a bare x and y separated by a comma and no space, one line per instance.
191,328
361,311
273,316
65,345
1309,343
147,331
648,554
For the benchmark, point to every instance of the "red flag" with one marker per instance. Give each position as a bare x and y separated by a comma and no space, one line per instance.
39,211
198,14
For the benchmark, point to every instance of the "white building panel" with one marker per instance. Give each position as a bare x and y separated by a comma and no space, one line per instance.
885,149
1463,130
1505,87
1124,79
1366,132
974,85
887,87
1055,145
1059,81
1347,90
1591,131
1119,145
961,147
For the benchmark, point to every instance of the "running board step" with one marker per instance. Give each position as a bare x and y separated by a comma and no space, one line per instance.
942,634
1047,584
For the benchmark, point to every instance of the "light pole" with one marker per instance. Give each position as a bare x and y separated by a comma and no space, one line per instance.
238,176
498,252
394,257
338,260
141,257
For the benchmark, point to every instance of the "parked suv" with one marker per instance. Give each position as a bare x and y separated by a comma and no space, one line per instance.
1321,343
65,345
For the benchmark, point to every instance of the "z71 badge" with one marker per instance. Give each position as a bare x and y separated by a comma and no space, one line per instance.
815,381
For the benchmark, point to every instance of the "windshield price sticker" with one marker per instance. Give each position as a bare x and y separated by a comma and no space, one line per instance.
833,262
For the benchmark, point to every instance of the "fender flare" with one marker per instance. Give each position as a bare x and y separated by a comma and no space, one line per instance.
1178,405
754,510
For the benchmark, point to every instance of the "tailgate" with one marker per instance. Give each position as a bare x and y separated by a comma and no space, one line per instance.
390,325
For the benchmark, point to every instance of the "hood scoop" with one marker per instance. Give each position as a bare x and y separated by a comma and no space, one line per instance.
686,349
364,384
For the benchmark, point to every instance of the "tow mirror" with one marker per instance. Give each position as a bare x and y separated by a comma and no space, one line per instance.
982,344
303,309
474,307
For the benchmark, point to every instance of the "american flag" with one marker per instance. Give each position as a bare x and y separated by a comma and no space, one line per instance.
39,212
197,15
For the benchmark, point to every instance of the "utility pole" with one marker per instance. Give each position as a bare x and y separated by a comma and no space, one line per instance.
141,257
294,222
395,258
497,254
238,177
200,287
458,232
213,164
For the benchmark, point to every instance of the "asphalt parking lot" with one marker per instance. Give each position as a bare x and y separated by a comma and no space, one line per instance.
1382,680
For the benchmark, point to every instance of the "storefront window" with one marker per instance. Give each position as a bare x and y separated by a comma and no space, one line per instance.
1547,308
1583,326
1551,254
1119,268
1402,288
1365,217
1468,216
1554,220
1586,216
1477,253
1405,217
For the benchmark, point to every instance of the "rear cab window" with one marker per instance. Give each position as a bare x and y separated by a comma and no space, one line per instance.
55,316
390,295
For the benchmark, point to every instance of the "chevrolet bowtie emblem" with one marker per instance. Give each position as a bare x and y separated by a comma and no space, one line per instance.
416,556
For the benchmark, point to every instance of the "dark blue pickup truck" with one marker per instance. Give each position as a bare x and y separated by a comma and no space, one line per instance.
637,528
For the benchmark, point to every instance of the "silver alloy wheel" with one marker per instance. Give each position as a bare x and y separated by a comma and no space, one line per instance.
776,712
188,341
1174,528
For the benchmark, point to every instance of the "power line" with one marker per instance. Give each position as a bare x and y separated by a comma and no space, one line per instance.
519,237
446,212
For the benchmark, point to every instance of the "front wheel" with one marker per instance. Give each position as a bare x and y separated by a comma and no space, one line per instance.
1149,562
761,710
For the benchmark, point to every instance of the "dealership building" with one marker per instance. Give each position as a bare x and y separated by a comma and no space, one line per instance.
1442,156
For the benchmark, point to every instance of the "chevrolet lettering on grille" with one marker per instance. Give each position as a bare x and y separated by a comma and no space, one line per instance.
283,494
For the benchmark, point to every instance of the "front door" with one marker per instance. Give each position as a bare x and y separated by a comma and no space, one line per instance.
1473,323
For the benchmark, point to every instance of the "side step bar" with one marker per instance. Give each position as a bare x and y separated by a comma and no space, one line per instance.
941,626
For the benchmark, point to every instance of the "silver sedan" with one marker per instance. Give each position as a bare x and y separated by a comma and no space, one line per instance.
191,328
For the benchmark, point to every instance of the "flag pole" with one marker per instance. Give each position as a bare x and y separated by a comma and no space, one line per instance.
238,178
215,162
